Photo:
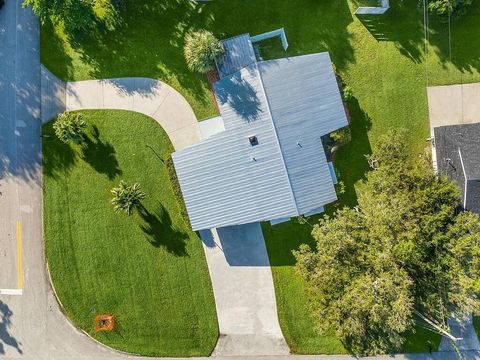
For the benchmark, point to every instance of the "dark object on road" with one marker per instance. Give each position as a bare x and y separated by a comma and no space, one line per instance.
2,2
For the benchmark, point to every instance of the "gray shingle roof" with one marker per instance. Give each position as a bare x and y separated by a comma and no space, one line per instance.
238,53
458,157
226,181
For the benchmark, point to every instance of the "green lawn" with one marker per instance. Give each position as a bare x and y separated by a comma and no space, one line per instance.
381,58
149,269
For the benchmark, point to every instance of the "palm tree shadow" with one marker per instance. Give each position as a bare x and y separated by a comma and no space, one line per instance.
100,155
160,231
58,157
5,322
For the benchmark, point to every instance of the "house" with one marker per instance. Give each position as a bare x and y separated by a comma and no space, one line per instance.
457,150
263,158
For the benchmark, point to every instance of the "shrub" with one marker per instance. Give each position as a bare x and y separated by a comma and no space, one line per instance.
347,93
127,197
341,136
201,49
70,127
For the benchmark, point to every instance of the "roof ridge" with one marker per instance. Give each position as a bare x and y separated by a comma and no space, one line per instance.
276,137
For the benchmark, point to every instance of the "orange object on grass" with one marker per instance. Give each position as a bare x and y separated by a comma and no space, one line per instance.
104,322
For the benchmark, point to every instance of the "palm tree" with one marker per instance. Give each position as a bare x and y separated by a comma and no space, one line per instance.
200,50
126,197
70,127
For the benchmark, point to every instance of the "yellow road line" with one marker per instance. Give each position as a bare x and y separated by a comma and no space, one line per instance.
19,255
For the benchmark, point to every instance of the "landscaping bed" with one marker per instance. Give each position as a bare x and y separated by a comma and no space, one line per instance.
147,269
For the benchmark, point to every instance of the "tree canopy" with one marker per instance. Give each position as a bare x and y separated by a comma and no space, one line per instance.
446,7
77,14
404,255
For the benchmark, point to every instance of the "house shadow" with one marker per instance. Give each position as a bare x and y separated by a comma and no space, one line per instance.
6,339
242,245
161,232
100,155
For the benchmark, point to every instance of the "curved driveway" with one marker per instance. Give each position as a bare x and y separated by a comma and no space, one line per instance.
147,96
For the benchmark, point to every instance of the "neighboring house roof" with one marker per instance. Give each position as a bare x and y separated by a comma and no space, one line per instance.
238,53
287,104
458,157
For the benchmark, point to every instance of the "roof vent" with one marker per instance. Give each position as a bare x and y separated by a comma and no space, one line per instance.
253,140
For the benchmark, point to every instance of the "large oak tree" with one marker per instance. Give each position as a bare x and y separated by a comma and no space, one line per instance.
404,256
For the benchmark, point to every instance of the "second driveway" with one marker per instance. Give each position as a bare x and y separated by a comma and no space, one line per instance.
244,294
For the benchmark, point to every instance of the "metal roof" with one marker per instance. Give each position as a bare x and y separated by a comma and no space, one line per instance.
288,105
305,103
221,182
238,53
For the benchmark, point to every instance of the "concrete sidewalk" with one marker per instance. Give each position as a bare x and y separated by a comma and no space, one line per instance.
244,294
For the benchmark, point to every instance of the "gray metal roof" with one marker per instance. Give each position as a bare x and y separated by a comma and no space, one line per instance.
221,183
305,102
238,53
458,157
283,103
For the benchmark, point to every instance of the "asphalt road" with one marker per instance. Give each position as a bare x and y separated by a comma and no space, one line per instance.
31,325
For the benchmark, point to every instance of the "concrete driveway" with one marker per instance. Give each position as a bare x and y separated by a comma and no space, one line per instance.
453,104
244,294
147,96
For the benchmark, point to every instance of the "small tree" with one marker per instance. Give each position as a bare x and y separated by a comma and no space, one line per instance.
201,49
403,256
70,127
127,197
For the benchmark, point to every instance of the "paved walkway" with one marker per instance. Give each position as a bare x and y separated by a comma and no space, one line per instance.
147,96
244,295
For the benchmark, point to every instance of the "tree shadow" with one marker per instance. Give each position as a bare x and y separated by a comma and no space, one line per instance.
161,232
351,159
100,155
240,96
315,33
459,43
5,322
140,46
53,54
58,157
392,27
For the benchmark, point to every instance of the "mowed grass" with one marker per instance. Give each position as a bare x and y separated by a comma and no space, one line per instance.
382,58
148,269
